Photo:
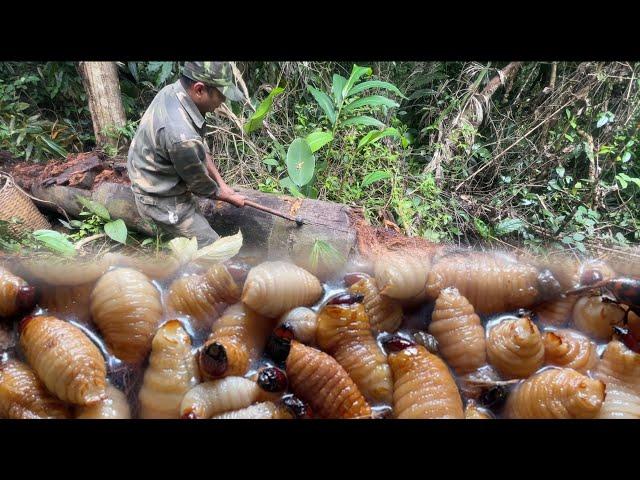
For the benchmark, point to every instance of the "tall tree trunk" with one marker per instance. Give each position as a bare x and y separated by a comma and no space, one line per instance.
105,102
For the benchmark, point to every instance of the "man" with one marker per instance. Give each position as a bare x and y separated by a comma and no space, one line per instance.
169,160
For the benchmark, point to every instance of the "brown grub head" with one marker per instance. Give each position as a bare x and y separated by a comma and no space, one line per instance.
346,299
591,276
26,298
238,270
395,343
549,287
212,360
354,277
297,407
272,379
279,343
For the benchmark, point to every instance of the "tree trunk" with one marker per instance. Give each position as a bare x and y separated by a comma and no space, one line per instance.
105,102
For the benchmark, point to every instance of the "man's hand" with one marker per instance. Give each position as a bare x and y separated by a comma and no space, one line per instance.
229,196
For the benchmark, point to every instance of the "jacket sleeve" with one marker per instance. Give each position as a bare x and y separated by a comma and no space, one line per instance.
188,158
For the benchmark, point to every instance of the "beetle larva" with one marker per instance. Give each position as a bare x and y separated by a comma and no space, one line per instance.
273,288
127,310
15,294
61,271
231,393
596,318
569,349
68,363
459,333
258,411
204,297
558,393
473,412
236,340
401,275
115,406
67,301
171,373
619,369
23,395
492,283
159,267
515,348
385,313
556,313
344,333
303,323
423,387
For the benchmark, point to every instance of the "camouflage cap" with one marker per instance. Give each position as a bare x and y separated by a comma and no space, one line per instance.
215,74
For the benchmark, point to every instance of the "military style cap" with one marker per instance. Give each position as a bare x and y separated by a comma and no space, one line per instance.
215,74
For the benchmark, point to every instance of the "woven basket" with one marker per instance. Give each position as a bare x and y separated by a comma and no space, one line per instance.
15,204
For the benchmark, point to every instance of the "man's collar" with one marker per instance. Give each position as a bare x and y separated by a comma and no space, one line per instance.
188,104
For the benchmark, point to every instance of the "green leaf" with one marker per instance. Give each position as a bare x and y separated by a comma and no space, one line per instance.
482,228
376,135
508,225
289,185
364,120
602,121
626,156
271,161
255,122
325,103
375,84
560,171
372,101
117,230
55,241
336,88
356,73
54,146
146,241
375,177
165,72
327,254
94,207
578,237
317,140
300,162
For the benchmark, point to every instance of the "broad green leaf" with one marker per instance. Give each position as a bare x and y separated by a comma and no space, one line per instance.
560,171
55,241
376,135
626,156
363,120
336,88
271,161
165,72
94,207
255,122
375,84
317,140
482,228
372,101
622,181
325,103
289,185
183,249
146,241
116,230
375,177
578,237
300,162
508,225
54,146
356,73
221,250
602,121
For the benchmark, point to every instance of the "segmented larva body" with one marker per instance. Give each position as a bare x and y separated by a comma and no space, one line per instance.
401,275
259,411
619,369
24,396
126,308
226,394
460,335
569,349
344,332
204,297
318,379
385,313
556,313
65,359
237,339
515,348
273,288
55,271
10,287
68,301
596,318
115,406
560,393
473,412
492,284
423,386
303,322
171,373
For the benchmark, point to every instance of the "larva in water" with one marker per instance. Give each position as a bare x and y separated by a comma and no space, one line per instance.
156,268
457,328
237,339
302,322
560,393
515,347
596,318
401,275
126,308
204,297
258,411
171,373
232,393
569,349
24,396
64,358
61,271
423,387
273,288
344,332
385,313
115,406
473,412
67,301
619,369
15,294
492,283
556,313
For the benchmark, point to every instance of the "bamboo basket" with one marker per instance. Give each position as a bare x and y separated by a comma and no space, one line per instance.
15,204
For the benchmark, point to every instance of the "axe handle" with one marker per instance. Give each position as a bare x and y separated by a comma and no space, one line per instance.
257,206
